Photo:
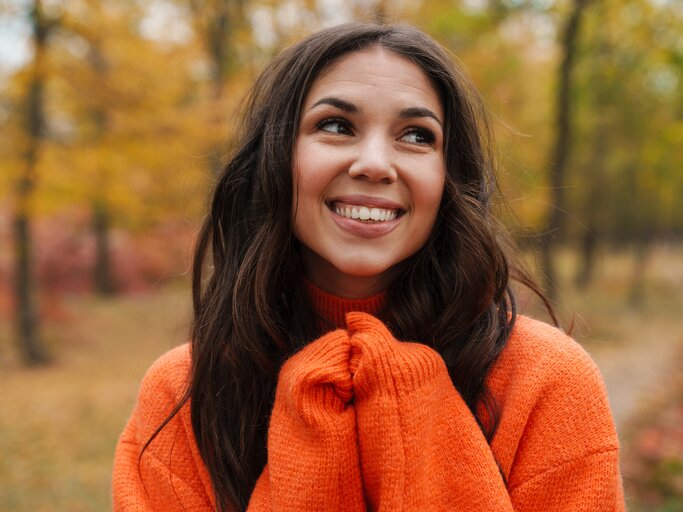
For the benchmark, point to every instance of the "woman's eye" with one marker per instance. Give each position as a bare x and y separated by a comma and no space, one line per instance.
338,126
419,136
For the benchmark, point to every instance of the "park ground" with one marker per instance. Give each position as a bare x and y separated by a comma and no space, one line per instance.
59,423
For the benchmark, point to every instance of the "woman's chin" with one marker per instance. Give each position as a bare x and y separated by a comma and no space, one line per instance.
353,274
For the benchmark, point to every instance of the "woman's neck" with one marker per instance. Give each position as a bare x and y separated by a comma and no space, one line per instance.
332,309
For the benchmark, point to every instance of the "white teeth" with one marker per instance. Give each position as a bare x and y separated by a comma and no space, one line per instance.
363,213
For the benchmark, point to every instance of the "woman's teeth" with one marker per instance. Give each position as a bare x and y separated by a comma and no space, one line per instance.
364,213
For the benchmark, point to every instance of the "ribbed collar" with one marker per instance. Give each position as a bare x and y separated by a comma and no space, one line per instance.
332,309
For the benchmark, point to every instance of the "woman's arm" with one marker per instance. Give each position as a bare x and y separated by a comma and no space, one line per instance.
422,449
169,475
312,453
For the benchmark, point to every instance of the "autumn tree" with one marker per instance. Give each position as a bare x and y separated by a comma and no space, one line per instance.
28,338
119,131
630,119
559,159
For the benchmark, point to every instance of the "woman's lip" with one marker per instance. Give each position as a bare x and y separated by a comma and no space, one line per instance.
364,229
363,200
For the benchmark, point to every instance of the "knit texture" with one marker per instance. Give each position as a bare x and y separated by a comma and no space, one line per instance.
362,421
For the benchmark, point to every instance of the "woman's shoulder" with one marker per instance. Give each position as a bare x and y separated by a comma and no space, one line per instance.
551,395
157,463
540,355
171,367
163,388
535,341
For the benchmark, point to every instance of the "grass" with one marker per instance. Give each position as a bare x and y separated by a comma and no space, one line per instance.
60,423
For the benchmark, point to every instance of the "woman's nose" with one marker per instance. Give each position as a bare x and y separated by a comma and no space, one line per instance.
374,161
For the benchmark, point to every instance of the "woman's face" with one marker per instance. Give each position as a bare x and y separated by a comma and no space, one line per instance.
368,170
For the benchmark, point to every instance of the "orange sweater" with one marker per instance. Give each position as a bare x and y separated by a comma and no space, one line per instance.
363,421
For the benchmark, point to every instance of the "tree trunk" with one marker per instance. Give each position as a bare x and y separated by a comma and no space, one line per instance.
30,346
592,209
28,339
217,36
560,156
104,284
217,25
588,246
641,253
102,274
216,20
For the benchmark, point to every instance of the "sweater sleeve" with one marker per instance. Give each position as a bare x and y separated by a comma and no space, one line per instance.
422,449
312,454
567,456
167,475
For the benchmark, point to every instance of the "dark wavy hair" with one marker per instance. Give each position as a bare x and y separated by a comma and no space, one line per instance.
250,313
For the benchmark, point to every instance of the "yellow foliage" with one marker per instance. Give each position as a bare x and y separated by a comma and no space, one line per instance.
141,123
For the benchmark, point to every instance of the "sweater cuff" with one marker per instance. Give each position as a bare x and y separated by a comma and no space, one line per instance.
319,371
382,365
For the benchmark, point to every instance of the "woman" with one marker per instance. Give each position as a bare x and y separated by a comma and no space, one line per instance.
356,213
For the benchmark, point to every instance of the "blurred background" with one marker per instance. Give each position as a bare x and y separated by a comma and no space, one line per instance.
116,115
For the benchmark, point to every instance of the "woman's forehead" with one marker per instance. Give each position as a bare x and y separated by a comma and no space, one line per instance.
373,74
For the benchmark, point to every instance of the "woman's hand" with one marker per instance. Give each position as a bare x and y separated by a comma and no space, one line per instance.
420,446
312,443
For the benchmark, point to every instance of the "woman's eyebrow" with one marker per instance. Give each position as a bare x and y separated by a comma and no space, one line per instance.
410,112
344,105
350,108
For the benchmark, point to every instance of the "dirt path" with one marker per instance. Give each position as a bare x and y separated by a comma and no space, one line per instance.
638,366
635,347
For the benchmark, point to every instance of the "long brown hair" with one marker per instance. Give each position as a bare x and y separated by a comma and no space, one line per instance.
249,311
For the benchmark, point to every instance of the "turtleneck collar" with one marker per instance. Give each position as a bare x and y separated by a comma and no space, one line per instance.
332,309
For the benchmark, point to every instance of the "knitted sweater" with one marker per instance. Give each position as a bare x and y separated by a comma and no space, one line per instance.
362,421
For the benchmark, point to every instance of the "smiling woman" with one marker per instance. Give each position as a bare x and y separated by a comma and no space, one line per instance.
368,169
356,213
